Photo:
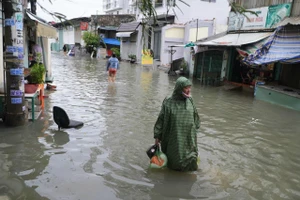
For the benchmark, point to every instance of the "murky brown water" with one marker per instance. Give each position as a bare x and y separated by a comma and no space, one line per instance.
248,149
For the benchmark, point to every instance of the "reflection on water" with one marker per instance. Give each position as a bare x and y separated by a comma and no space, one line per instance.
61,138
22,158
112,89
174,185
248,149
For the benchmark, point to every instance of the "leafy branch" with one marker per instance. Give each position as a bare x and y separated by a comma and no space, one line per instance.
238,9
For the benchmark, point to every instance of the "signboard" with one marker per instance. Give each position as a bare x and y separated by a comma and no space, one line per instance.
16,71
9,22
16,93
277,13
11,49
19,26
16,100
266,17
235,22
240,22
257,21
84,26
147,57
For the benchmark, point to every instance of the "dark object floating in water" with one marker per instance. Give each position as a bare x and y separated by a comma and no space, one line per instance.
62,120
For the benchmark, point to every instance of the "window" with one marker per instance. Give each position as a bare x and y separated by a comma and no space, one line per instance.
210,1
158,3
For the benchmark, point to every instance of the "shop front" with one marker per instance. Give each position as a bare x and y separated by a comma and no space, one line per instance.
219,60
37,51
39,32
282,53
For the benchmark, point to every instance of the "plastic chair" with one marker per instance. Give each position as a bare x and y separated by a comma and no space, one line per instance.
62,120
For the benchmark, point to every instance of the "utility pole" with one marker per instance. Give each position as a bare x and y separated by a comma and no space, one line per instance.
13,59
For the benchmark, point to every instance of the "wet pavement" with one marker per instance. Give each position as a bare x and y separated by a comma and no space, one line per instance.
248,149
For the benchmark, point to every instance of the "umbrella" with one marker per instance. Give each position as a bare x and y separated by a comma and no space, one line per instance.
191,44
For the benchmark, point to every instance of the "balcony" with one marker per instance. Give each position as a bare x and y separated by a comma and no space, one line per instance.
111,5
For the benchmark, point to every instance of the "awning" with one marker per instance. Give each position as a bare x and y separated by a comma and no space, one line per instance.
282,46
251,48
236,39
128,27
124,34
107,28
178,45
289,20
111,41
43,29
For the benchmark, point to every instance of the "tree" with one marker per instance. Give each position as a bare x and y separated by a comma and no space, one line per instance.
91,40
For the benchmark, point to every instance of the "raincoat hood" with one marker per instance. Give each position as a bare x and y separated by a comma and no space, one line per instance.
181,83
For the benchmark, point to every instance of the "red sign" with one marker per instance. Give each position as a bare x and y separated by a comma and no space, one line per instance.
84,26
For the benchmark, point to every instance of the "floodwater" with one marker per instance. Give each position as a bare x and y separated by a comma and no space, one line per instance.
248,149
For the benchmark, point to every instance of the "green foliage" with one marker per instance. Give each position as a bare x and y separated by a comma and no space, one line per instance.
132,56
147,9
237,8
37,73
116,51
183,65
91,39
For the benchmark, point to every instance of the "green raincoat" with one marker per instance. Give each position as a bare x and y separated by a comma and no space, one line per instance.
176,129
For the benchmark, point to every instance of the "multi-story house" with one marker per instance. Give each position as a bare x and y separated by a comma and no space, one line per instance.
119,7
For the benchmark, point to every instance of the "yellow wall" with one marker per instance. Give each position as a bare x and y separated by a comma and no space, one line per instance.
202,33
175,33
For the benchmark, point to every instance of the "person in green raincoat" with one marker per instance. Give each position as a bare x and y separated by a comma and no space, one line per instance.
176,128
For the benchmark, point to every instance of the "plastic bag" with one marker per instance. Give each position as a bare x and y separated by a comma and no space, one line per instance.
159,160
151,151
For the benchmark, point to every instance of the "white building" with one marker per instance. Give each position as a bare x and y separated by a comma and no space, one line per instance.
119,7
71,32
177,27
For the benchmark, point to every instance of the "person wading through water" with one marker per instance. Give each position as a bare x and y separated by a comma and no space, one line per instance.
112,67
176,128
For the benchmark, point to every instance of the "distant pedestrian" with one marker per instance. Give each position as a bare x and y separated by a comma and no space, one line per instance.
65,49
112,67
176,127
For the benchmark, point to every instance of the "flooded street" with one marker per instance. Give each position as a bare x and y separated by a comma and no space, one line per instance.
248,149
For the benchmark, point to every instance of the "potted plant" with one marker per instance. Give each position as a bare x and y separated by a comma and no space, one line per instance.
132,58
36,77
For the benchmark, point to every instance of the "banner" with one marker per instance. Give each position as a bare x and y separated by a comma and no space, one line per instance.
277,13
147,57
239,21
266,17
84,26
257,21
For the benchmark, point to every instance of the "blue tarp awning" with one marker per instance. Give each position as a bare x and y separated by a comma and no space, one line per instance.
111,41
282,46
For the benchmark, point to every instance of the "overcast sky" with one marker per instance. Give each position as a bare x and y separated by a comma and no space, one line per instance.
70,8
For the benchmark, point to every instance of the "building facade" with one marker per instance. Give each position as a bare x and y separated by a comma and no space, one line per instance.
259,53
71,32
116,7
182,24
